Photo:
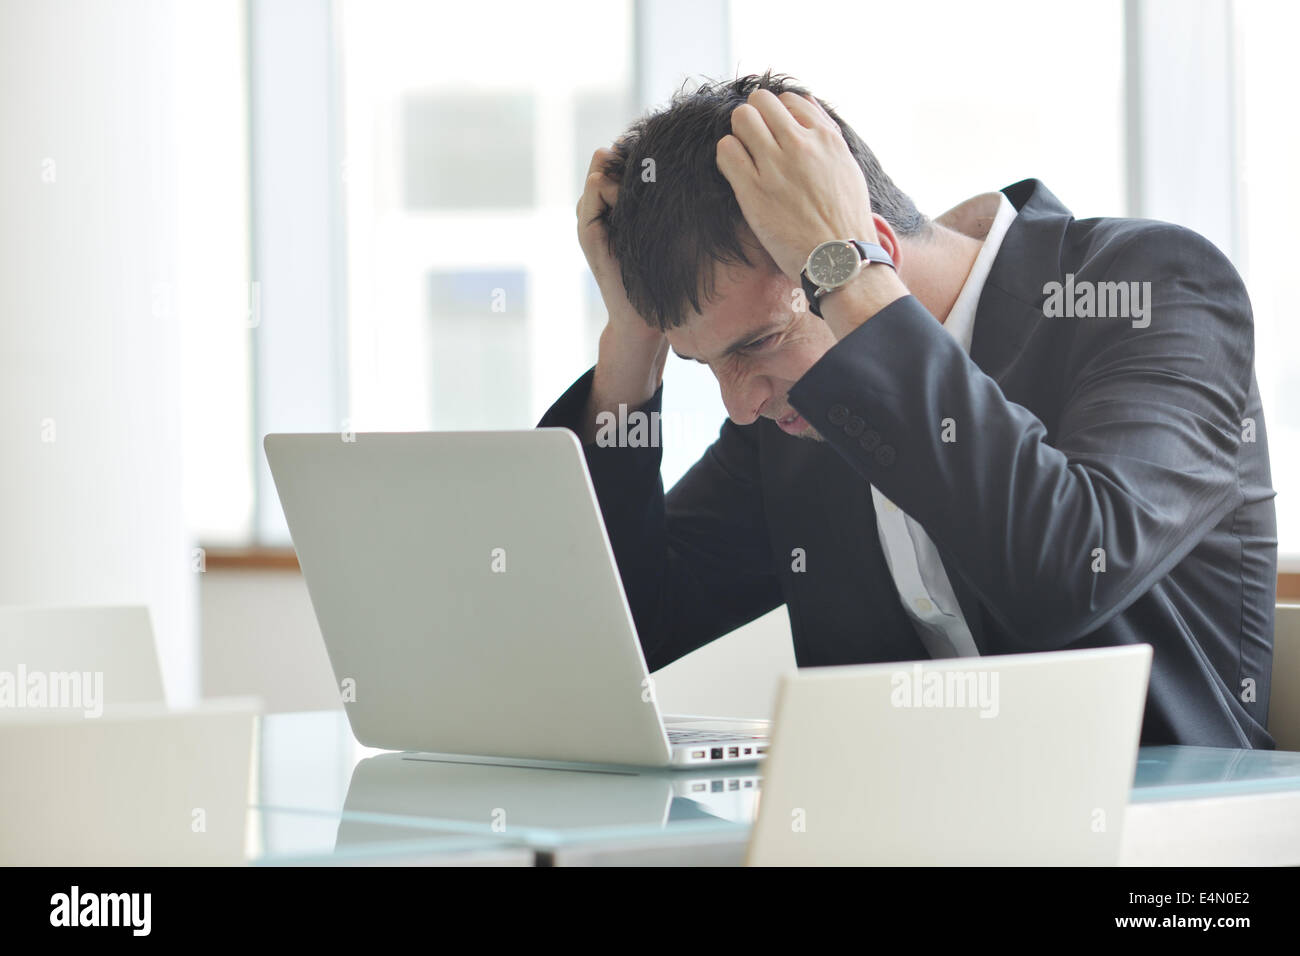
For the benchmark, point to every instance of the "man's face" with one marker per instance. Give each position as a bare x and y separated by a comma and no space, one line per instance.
756,345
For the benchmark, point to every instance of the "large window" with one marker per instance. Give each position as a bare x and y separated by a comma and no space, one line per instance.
1269,196
443,148
958,98
209,294
467,137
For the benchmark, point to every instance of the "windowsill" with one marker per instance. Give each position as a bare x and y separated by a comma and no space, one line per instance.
253,558
284,559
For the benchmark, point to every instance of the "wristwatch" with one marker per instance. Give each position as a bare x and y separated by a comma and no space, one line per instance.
834,263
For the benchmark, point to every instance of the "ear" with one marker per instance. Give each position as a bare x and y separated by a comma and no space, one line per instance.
887,239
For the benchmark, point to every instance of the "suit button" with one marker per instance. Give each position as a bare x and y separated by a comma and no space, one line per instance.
869,440
885,455
838,415
853,427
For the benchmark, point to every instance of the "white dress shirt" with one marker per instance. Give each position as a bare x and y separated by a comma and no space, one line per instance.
913,561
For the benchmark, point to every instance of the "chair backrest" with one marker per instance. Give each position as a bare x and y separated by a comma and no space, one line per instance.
139,786
38,643
1021,759
1284,694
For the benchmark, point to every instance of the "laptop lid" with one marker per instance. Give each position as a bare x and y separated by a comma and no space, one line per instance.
1024,759
467,594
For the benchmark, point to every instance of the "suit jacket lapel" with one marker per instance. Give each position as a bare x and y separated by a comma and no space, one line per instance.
1029,256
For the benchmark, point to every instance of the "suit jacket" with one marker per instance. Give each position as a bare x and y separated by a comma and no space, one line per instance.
1072,434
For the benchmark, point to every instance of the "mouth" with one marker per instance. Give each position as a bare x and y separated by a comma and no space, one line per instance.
792,424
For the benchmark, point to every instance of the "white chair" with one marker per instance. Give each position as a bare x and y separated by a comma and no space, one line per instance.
1284,696
116,642
139,786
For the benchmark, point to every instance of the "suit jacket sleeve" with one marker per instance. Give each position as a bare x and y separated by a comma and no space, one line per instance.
695,564
1142,465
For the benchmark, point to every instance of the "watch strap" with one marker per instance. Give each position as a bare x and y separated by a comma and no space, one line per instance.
810,291
871,252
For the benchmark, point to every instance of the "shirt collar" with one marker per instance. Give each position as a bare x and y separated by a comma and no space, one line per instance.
985,217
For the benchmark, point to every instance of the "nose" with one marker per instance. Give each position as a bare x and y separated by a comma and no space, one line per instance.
744,399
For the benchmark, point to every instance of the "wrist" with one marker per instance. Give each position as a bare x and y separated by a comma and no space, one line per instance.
629,365
871,290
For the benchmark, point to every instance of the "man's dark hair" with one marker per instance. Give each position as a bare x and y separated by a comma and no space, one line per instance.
669,233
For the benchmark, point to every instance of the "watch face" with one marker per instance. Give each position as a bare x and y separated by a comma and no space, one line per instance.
833,263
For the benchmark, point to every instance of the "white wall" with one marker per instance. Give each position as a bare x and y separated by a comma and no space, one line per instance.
260,638
91,491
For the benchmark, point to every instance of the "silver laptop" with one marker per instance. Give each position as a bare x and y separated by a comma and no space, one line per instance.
1025,759
470,603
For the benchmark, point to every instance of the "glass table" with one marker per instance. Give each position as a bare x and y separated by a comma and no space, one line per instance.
322,798
315,838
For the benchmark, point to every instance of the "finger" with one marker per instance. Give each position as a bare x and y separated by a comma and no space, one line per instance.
826,118
599,189
598,160
776,116
751,131
734,161
598,196
601,160
803,110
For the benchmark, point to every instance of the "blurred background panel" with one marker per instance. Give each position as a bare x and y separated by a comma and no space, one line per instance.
450,140
480,364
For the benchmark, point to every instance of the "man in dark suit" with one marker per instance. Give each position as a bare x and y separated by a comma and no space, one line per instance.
1001,431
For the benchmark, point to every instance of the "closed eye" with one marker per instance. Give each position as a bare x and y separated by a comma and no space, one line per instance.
759,344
